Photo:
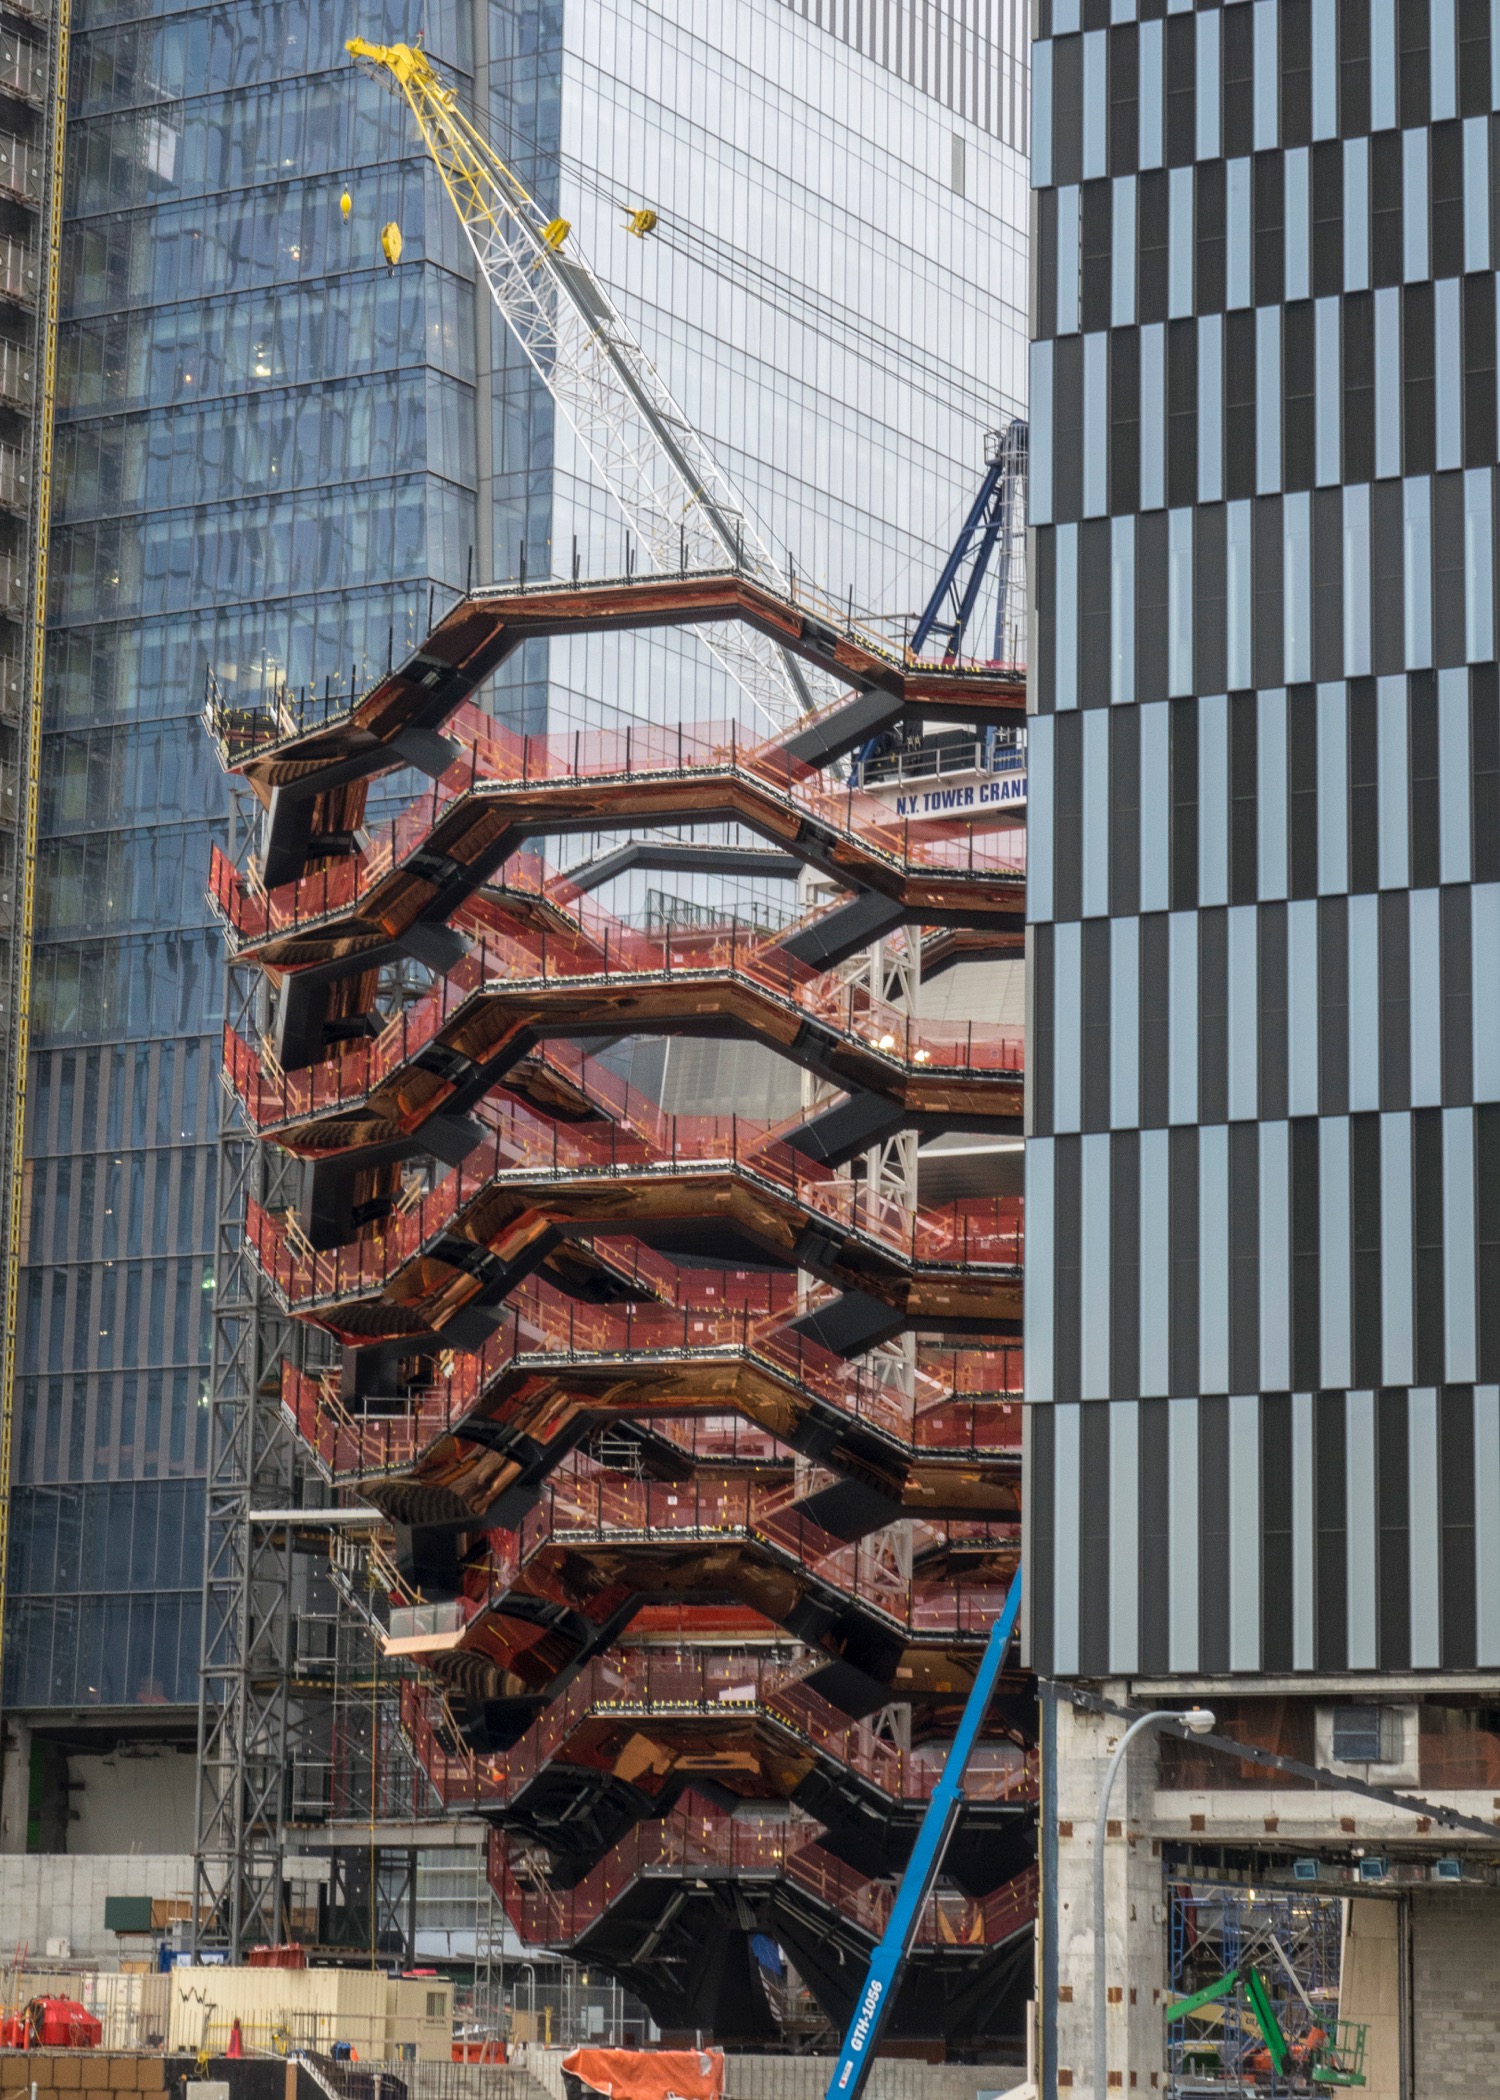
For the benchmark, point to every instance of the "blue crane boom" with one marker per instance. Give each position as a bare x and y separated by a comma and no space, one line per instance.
889,1959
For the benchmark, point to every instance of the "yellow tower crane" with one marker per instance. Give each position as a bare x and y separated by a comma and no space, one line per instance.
679,505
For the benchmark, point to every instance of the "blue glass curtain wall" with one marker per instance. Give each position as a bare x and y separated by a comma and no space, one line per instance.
266,463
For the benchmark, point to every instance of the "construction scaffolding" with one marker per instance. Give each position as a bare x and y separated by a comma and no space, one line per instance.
1291,1941
246,1695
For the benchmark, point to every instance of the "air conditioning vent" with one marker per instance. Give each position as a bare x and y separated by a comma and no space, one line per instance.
1368,1735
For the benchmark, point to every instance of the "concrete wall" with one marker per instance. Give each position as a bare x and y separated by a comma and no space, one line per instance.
15,1784
893,2078
48,1895
139,1799
1135,1908
138,1796
1455,1976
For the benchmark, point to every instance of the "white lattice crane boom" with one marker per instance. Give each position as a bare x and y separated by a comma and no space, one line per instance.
676,500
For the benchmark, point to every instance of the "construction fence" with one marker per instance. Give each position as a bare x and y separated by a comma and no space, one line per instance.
807,2077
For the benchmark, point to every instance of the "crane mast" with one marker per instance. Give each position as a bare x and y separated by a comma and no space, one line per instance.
674,497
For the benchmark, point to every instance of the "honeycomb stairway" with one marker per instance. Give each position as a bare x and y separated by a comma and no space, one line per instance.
671,1909
634,1732
395,894
473,1447
520,988
438,1267
597,1548
700,1447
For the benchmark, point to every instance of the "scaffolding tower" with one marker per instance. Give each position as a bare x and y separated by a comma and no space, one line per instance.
245,1695
1291,1938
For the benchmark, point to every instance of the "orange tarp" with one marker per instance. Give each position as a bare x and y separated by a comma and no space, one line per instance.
649,2074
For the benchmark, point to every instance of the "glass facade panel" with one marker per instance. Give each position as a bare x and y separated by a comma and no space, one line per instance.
265,463
839,321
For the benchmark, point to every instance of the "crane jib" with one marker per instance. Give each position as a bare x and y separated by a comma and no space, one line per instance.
680,508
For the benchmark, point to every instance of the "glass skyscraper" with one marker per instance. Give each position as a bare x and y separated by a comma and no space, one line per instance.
277,451
835,290
265,465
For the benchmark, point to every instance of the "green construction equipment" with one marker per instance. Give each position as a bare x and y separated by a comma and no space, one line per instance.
1321,2057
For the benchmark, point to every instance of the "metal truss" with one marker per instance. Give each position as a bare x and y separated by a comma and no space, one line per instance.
994,530
247,1714
891,972
675,498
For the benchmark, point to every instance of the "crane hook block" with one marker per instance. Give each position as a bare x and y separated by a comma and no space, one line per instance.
641,222
346,204
556,231
390,242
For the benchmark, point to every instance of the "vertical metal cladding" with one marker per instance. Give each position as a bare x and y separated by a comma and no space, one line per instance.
700,1451
1265,875
967,54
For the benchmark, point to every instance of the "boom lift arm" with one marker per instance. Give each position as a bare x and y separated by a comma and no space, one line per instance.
1260,2005
874,2002
675,498
1320,2058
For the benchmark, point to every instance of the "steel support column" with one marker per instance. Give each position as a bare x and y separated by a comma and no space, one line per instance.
245,1688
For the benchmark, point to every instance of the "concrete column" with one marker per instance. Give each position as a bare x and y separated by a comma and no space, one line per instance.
1370,1989
15,1785
1136,1945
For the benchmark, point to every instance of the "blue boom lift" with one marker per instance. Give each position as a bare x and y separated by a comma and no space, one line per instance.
889,1959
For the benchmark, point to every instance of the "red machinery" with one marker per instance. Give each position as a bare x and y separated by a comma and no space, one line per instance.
51,2023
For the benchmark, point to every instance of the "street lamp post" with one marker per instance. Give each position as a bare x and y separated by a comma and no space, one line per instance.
1200,1720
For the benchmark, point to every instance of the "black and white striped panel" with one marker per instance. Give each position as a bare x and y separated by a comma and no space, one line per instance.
1122,87
970,55
1281,400
1326,1006
1252,797
1275,592
1263,1175
1246,1257
1271,1532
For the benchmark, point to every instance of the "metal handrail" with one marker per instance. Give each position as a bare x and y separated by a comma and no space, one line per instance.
497,761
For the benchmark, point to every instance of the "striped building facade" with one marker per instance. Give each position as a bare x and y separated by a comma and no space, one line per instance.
1263,1190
